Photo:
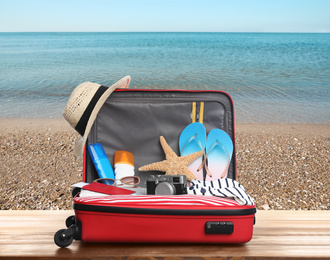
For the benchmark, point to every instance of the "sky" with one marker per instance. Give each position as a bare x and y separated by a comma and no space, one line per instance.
165,16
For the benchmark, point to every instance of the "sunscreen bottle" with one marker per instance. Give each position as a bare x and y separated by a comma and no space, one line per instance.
124,164
101,161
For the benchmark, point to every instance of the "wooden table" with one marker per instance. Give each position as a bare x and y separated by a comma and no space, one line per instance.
279,234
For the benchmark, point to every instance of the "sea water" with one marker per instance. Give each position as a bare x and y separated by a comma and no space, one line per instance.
272,77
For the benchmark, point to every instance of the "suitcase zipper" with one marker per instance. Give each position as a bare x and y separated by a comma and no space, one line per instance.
112,98
154,211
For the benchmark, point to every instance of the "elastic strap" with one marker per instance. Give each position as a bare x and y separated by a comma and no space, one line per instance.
201,112
193,112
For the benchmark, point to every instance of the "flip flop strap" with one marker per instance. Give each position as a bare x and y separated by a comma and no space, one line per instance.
194,138
216,143
205,166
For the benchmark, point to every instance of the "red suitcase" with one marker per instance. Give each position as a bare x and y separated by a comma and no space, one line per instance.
133,120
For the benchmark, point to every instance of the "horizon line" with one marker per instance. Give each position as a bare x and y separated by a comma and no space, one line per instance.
152,32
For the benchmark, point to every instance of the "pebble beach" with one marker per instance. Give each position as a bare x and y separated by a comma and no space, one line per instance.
281,166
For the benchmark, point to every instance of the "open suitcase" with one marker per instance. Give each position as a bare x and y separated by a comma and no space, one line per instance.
133,120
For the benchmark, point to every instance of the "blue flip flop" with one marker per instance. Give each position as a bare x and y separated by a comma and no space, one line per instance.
193,139
219,150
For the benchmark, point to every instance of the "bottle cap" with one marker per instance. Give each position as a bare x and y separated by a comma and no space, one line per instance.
124,157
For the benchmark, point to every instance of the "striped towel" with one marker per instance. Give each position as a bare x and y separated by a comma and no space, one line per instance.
226,188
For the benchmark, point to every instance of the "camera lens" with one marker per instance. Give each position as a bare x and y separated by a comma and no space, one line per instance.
165,188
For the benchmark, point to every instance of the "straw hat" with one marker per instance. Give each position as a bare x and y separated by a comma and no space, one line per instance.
83,106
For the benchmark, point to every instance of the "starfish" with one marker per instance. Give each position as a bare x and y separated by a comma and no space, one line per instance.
173,165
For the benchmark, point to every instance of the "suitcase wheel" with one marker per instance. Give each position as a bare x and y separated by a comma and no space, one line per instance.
70,221
62,239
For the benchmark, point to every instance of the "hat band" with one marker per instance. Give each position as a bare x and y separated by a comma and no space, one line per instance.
81,125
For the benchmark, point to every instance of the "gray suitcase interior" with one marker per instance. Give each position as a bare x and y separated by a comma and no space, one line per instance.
133,120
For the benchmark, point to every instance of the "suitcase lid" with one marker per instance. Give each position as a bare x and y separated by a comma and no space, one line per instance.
133,120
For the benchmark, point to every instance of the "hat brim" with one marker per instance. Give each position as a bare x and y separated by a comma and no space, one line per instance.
79,146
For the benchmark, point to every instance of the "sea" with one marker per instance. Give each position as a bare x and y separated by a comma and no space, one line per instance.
271,77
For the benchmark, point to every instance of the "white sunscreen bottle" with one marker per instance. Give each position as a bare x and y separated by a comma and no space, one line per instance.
123,164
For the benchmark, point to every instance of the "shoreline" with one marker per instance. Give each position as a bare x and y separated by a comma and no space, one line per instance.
60,124
282,166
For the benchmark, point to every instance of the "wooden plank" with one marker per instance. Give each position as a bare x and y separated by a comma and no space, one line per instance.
280,234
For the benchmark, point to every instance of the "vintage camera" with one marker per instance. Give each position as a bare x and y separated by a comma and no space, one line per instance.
166,184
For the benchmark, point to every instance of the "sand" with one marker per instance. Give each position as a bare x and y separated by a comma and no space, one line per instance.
283,167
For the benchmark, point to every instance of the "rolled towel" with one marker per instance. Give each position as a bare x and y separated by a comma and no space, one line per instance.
226,188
